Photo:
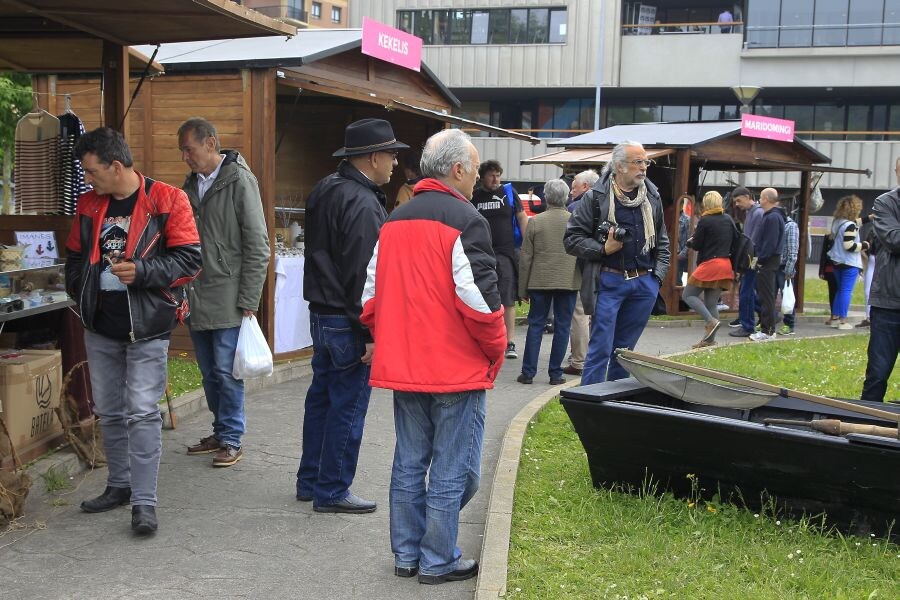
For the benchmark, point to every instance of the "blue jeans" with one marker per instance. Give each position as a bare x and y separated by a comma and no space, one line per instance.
846,279
622,311
439,435
224,394
563,302
335,411
748,303
884,344
127,380
780,278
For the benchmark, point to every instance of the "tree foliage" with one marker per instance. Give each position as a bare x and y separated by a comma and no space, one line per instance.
15,101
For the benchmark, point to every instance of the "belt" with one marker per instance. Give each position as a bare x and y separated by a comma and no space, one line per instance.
628,273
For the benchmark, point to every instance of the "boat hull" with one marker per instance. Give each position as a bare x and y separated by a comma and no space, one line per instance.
634,435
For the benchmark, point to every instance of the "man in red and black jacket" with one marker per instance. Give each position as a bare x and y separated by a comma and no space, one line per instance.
132,247
437,321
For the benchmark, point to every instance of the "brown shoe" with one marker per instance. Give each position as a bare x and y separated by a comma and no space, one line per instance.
704,344
711,329
206,445
227,456
570,370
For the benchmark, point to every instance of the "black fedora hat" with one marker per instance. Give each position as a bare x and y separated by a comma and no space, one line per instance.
369,135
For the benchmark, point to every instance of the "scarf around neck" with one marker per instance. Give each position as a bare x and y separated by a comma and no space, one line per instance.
713,211
646,211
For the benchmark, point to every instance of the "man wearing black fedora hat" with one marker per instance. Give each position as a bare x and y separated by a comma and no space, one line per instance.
344,214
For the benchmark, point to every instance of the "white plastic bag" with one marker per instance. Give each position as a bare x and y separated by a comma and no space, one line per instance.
252,357
787,298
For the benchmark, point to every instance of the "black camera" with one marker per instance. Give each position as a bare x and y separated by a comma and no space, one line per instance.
607,228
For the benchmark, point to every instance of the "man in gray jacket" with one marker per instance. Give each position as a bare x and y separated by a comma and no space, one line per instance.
228,210
884,341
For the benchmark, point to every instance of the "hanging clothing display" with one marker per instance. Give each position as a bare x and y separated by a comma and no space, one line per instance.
37,164
71,172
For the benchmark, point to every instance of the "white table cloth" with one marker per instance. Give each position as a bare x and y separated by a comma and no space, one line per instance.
291,310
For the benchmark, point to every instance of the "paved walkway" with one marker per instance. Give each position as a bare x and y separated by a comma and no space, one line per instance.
239,532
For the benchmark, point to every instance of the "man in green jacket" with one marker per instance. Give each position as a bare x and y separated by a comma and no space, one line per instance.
228,210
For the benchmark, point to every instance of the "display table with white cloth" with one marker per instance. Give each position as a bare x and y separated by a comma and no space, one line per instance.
291,310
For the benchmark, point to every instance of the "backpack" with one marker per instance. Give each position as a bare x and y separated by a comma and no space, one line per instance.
742,252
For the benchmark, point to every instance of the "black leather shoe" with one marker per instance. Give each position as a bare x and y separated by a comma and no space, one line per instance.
557,380
467,568
304,498
570,370
406,571
143,519
523,378
108,500
352,504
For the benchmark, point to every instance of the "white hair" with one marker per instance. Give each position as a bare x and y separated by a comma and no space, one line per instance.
588,177
619,158
555,192
443,150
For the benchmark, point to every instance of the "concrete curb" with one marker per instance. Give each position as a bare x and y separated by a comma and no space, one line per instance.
498,521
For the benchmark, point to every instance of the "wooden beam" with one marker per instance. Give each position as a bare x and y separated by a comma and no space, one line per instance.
147,126
115,86
52,16
262,159
803,225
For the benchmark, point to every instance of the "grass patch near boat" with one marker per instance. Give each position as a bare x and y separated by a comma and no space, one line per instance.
570,540
830,366
184,376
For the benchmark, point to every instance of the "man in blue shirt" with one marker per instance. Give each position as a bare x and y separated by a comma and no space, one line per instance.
745,324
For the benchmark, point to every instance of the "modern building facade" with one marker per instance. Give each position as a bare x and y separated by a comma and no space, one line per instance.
304,13
832,66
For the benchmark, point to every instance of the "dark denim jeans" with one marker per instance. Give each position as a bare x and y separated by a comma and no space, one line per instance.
622,311
224,394
563,303
438,435
884,344
748,303
336,404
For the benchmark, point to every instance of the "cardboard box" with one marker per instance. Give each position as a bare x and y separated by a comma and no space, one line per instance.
30,384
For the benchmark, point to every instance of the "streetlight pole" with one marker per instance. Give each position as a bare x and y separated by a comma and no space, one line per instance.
599,70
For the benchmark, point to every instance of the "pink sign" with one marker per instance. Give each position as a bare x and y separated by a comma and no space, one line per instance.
391,45
767,128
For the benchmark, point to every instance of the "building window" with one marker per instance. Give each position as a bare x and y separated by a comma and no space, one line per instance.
486,25
335,14
835,23
316,10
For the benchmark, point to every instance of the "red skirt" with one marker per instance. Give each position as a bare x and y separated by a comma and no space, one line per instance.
713,273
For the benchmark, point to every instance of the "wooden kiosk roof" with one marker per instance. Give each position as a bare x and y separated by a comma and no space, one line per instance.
57,36
686,149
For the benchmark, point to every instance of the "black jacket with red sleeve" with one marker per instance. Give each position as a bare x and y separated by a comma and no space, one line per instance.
163,244
431,300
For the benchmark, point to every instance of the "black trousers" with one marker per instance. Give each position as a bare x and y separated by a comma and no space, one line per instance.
766,292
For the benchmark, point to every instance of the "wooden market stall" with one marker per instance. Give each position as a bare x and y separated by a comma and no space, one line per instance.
94,36
283,105
682,153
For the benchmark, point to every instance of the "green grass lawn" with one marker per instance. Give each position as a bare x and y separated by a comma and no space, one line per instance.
184,376
570,540
816,290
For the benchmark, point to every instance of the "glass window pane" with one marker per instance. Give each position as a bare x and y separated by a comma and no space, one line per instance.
480,27
558,27
587,114
619,115
711,112
731,111
865,12
894,124
460,26
405,20
477,111
762,23
891,32
858,120
879,121
801,115
538,20
769,110
518,26
796,23
567,116
830,19
422,25
499,27
441,31
829,117
676,113
647,113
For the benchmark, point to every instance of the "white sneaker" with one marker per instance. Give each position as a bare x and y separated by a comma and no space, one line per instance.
845,326
722,307
759,336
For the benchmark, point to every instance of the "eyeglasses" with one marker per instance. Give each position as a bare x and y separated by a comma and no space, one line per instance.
641,163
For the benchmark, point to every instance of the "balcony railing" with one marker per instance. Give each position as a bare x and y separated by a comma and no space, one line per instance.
694,27
281,11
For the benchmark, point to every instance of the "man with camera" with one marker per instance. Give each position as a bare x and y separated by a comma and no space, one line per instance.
618,231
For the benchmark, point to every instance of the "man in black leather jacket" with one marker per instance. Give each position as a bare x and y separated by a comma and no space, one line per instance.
344,214
620,277
132,248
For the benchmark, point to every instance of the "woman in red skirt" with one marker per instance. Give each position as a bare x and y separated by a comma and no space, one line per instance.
712,240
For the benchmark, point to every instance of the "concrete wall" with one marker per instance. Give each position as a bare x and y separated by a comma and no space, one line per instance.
681,61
